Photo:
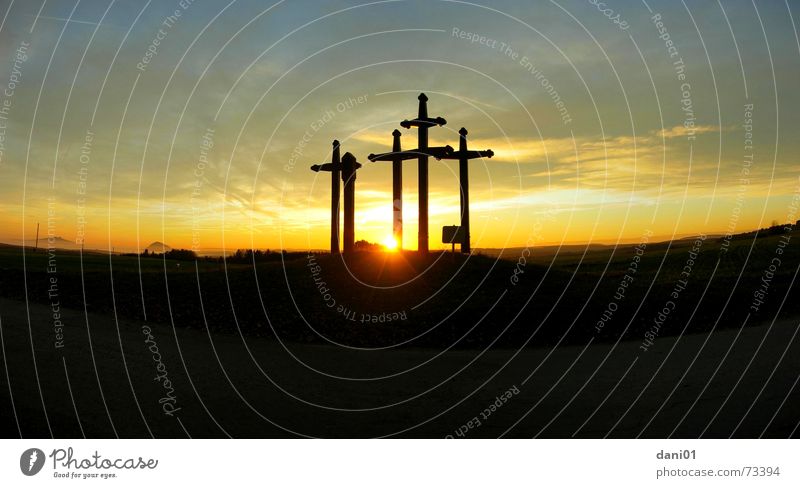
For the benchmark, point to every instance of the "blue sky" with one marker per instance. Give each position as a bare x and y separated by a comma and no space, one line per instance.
260,75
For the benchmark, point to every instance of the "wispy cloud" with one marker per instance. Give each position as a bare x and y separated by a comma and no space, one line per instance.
682,131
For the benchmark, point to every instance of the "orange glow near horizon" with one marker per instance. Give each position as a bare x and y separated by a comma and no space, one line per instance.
503,220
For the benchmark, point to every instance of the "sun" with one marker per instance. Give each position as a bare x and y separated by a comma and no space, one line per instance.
390,243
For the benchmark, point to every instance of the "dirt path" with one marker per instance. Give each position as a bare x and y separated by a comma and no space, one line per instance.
109,378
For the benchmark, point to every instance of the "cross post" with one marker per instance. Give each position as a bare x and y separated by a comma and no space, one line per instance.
397,156
463,155
422,123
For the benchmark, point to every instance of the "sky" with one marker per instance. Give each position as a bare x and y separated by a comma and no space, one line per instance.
195,123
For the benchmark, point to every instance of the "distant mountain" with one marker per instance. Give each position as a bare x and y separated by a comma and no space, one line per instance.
157,248
57,242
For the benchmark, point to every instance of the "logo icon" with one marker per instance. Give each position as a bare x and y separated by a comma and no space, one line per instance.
31,461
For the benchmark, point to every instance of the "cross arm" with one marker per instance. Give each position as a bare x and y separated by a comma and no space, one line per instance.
325,167
425,122
434,152
469,154
392,156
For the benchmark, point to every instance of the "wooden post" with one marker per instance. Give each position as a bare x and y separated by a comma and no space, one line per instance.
397,156
335,166
397,192
463,155
422,123
463,177
349,167
422,132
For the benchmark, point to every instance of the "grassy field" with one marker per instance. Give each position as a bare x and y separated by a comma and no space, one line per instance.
380,299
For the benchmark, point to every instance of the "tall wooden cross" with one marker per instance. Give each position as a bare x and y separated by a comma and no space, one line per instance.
347,171
397,185
463,155
422,123
397,156
334,167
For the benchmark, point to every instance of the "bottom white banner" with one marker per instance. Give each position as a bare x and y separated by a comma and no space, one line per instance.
399,463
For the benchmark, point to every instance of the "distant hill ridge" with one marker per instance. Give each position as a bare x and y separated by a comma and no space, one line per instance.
158,248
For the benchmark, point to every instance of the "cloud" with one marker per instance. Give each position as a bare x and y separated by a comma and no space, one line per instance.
681,131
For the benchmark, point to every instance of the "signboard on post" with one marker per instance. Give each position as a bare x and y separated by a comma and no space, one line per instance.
452,234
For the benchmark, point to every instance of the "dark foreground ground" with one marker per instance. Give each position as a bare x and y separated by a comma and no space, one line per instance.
392,344
740,383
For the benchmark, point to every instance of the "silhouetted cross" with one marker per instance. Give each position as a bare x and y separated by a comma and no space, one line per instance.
347,167
422,123
334,167
464,155
397,156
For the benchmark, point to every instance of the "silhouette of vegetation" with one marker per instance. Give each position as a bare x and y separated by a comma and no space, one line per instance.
775,229
248,256
181,254
174,254
364,245
240,256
